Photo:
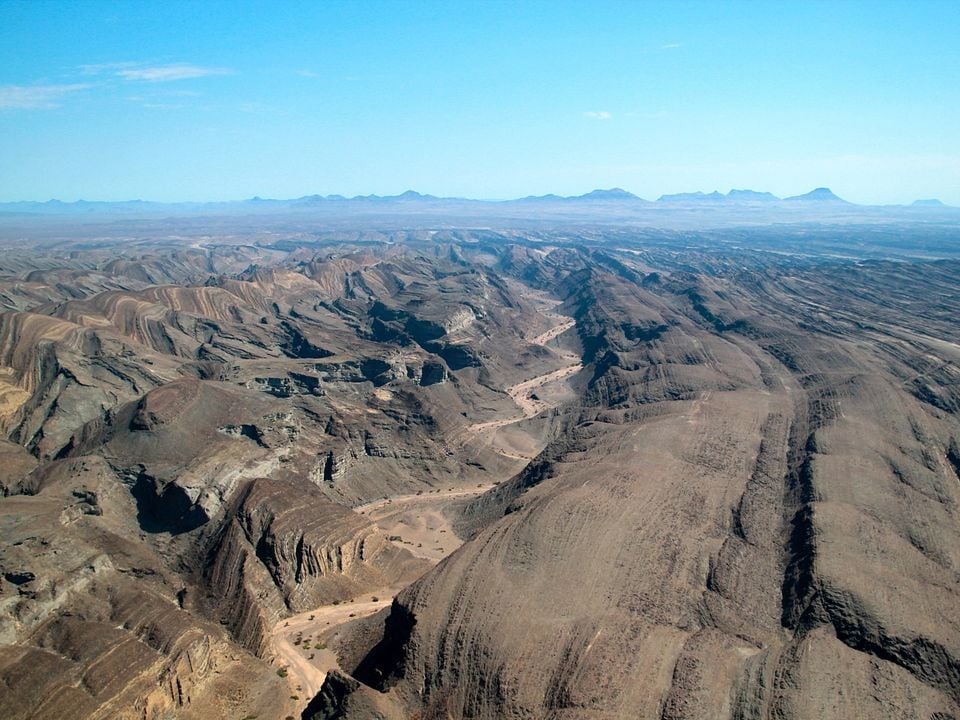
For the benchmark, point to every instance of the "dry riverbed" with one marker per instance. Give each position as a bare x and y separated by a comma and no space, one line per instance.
418,523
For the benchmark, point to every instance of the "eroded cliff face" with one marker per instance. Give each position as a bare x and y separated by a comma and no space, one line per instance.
180,459
753,515
96,623
746,506
289,549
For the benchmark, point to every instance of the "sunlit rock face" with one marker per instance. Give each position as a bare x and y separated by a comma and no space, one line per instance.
688,475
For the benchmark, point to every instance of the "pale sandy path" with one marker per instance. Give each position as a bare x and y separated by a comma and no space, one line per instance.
521,392
425,497
521,395
525,397
309,674
419,522
322,622
554,332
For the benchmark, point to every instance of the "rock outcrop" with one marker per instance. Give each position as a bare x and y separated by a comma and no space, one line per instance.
742,500
286,549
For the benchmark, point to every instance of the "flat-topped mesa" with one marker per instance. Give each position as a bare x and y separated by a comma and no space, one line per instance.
613,194
751,196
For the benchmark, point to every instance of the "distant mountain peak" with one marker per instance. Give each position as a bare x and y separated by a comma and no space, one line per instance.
820,194
412,195
551,197
611,194
614,194
928,202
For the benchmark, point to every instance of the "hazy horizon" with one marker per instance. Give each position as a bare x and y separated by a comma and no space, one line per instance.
180,102
334,196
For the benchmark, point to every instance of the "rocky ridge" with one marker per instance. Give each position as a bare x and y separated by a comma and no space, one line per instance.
752,484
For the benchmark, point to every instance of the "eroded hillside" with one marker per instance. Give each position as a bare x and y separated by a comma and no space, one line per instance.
670,477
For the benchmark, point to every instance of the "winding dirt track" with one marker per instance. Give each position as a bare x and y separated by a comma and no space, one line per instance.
521,392
554,332
306,675
521,395
425,497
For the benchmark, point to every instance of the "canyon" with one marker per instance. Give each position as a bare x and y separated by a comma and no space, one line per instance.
413,466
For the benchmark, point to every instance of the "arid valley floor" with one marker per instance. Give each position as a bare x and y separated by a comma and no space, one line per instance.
417,466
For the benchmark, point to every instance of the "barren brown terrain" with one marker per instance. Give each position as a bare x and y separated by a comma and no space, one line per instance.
576,472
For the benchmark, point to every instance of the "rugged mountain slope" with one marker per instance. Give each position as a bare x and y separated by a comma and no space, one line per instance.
742,501
754,514
182,458
96,623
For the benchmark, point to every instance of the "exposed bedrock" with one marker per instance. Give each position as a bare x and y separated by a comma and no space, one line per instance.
287,549
763,511
745,506
93,619
119,652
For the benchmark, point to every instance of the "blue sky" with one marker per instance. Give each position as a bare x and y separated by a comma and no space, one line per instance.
220,101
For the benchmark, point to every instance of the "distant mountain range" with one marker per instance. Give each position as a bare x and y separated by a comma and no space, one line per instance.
695,197
408,196
611,195
410,200
749,196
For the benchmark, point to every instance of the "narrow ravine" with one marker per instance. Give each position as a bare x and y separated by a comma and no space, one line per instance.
416,522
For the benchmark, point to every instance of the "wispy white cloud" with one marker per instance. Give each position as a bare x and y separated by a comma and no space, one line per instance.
167,73
598,114
106,75
111,68
165,98
147,71
307,73
670,46
32,97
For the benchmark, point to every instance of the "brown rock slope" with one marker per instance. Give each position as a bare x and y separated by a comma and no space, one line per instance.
141,574
755,515
180,459
94,621
746,507
287,549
